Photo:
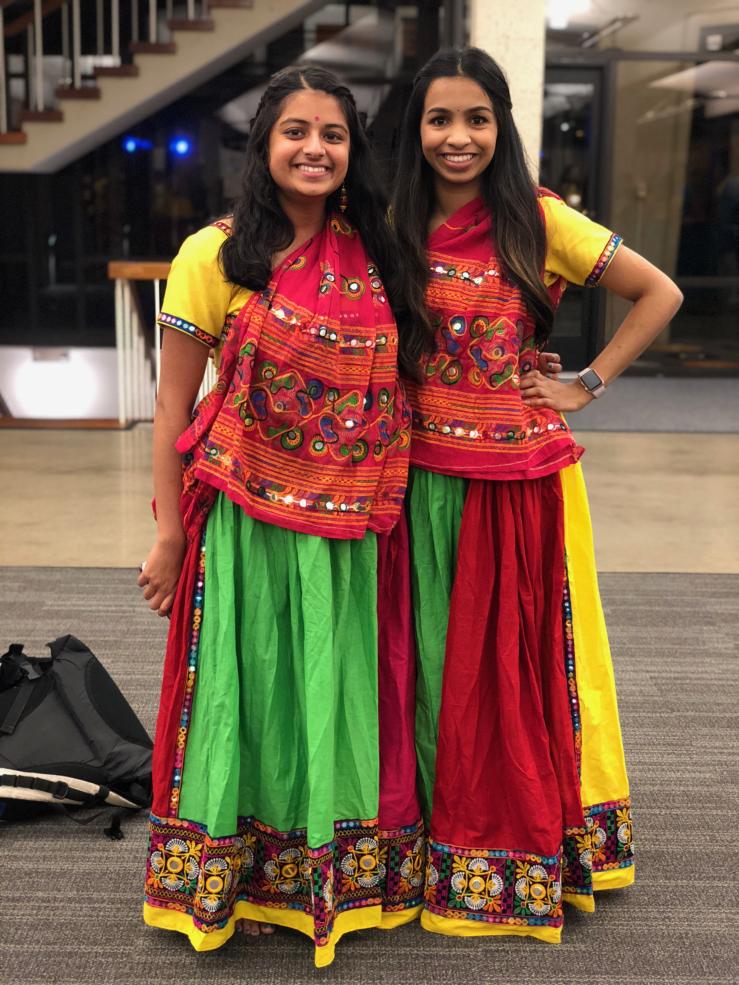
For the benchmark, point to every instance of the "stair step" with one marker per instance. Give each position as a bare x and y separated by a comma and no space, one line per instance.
41,116
116,71
183,24
84,92
152,48
13,137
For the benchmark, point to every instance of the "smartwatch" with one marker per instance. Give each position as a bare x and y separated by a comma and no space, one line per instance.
591,381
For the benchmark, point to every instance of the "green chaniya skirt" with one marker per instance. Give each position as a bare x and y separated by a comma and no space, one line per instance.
275,812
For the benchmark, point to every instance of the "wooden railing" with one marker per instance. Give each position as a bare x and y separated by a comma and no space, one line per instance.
143,25
137,347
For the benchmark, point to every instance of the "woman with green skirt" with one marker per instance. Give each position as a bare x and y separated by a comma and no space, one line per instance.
272,803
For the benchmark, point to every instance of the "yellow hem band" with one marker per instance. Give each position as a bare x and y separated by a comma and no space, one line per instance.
478,928
360,919
397,918
580,901
614,878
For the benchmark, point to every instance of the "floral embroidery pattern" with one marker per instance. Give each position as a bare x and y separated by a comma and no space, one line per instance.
175,864
477,884
611,831
289,872
577,862
538,890
495,886
412,867
204,877
363,864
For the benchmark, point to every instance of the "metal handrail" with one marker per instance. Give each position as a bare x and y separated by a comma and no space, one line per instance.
3,76
38,53
107,42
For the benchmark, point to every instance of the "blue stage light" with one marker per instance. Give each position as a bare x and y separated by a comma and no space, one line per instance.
132,144
180,146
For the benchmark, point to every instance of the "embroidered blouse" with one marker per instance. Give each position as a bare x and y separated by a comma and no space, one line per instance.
468,415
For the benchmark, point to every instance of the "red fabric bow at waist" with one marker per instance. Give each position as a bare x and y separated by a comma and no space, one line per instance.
307,426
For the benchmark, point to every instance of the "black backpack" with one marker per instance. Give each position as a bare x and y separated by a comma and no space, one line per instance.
68,737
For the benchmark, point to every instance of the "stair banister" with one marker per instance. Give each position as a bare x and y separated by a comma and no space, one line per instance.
3,78
66,56
152,21
100,27
38,37
115,30
76,45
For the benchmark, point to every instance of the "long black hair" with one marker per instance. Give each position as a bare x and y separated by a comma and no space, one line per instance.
506,187
260,227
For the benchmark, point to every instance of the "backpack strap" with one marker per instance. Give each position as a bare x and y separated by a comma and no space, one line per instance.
58,789
17,671
18,705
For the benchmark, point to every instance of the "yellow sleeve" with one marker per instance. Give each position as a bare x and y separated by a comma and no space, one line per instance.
198,298
578,249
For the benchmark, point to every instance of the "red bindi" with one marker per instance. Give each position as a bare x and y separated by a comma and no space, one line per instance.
318,119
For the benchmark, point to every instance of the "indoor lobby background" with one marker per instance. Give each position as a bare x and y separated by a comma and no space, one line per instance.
122,130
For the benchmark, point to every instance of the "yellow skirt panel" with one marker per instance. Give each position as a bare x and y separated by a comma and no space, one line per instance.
614,878
478,928
397,918
580,901
603,777
360,919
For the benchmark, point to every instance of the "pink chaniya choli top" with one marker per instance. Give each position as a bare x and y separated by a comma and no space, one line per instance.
468,416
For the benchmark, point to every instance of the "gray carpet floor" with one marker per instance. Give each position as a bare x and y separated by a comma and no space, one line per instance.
70,898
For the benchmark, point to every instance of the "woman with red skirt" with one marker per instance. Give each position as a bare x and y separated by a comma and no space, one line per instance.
522,779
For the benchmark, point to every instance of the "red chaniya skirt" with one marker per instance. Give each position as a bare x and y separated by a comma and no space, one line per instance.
521,773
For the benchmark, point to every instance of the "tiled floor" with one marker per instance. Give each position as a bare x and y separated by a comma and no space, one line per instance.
660,502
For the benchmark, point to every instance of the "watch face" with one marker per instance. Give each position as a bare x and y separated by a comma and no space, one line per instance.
591,379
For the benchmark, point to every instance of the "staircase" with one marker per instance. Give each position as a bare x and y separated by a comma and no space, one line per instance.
68,84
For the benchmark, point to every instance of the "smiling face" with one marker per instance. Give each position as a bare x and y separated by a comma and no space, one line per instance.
309,146
458,130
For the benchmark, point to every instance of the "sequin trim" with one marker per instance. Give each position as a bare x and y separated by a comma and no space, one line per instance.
192,666
603,260
188,328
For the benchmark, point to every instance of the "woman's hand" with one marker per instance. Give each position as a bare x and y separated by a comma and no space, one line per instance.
538,390
549,363
160,573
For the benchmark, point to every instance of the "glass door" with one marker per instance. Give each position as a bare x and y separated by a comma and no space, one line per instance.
571,158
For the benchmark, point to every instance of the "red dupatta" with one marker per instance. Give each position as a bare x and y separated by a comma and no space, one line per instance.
307,426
